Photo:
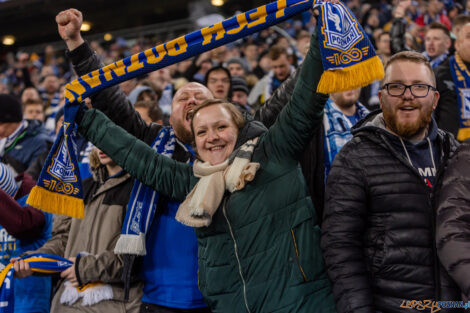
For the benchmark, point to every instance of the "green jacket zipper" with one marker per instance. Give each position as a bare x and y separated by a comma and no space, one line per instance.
235,248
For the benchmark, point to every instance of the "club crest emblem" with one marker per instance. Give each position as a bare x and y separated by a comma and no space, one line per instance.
340,28
62,167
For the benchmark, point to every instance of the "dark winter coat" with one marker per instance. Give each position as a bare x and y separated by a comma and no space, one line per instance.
31,143
378,229
453,219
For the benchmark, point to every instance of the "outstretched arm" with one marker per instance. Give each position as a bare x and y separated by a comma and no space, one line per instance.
112,101
398,29
298,120
167,176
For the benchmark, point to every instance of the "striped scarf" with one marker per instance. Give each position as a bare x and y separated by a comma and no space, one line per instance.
437,60
337,130
39,263
232,175
8,143
143,203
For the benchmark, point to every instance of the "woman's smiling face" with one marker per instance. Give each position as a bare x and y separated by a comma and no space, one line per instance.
215,133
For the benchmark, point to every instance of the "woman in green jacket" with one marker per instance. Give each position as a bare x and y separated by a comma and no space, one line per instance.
257,232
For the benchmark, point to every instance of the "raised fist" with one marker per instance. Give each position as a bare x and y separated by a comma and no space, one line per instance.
69,23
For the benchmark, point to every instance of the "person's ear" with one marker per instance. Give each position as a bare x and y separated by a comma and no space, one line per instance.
380,95
437,95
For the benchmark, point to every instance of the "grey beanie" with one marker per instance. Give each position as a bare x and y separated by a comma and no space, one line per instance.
135,93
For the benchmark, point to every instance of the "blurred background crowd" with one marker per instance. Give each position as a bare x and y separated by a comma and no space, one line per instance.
247,71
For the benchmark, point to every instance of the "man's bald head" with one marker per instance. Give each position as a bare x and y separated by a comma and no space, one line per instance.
184,100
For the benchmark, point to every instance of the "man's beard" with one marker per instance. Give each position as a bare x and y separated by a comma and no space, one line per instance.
183,134
408,129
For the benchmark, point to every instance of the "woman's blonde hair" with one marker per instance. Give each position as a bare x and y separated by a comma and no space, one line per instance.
237,116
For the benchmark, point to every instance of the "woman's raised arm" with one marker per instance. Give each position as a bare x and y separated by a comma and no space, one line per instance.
169,177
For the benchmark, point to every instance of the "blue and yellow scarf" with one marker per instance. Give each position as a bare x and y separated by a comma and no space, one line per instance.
348,58
461,76
39,263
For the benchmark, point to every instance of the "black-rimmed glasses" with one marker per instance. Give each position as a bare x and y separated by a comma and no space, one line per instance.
399,89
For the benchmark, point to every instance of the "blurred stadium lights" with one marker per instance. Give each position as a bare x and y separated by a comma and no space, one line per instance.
86,26
217,3
8,40
108,37
32,22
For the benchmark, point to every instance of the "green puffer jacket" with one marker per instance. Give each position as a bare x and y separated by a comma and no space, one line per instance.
261,252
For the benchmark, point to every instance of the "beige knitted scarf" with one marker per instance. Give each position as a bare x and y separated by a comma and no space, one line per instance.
202,202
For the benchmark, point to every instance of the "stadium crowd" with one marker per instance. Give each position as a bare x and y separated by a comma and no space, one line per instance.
386,168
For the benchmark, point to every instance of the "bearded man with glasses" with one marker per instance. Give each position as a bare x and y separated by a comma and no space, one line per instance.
379,221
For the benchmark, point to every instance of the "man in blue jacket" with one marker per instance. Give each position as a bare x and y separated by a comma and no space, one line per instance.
169,268
21,141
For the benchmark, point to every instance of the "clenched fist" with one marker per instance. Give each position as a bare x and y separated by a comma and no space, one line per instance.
68,24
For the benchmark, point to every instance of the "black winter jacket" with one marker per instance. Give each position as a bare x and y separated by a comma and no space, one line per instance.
453,219
378,226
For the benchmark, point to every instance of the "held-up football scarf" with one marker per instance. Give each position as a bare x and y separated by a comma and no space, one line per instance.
232,175
461,76
143,203
91,293
348,57
38,262
59,189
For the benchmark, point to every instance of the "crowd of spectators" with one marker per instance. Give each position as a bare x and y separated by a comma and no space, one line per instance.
252,72
262,61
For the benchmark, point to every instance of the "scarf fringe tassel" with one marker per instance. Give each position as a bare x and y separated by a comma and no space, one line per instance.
56,203
91,295
351,77
131,244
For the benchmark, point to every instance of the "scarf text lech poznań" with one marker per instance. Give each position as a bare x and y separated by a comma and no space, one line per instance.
349,61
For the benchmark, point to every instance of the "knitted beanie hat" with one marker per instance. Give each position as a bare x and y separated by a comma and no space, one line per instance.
239,84
7,180
11,109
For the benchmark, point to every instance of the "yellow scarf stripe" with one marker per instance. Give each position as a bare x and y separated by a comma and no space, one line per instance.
56,203
351,77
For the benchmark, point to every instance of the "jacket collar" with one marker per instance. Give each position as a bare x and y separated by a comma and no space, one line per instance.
252,129
100,175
